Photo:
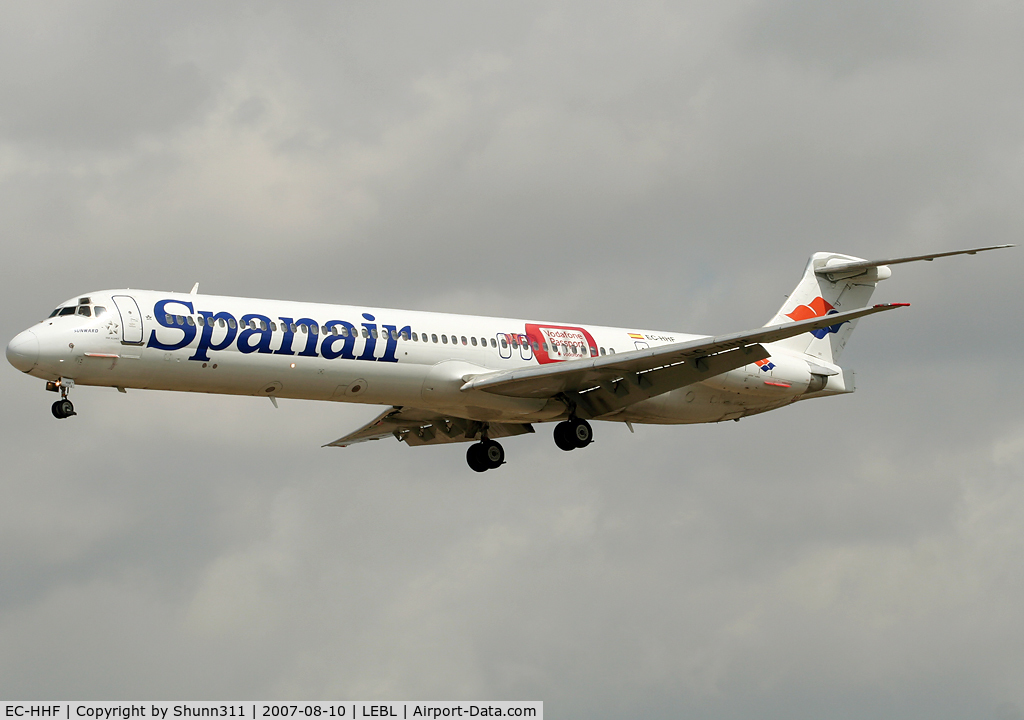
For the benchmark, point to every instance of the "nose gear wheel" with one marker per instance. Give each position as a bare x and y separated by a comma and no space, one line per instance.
63,409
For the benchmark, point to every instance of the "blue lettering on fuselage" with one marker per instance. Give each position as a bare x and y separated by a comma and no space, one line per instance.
206,342
165,318
254,333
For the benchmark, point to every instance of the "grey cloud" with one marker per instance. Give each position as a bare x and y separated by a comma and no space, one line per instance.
81,77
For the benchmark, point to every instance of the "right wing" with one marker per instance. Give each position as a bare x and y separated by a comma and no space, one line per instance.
414,426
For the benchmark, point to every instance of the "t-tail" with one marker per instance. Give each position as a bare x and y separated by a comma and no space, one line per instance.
834,283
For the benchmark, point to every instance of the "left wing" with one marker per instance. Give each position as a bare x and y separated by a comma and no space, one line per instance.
414,426
606,384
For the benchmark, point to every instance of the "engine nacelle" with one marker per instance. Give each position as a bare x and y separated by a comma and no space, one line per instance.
777,376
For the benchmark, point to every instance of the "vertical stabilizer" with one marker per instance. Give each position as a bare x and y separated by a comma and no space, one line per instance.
816,296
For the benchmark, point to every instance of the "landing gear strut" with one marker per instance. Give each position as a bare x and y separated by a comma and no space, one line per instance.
573,433
485,455
63,407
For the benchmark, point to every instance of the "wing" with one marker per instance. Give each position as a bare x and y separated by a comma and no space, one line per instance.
414,426
606,384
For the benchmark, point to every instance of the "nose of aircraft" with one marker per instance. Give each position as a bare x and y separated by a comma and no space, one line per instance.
23,351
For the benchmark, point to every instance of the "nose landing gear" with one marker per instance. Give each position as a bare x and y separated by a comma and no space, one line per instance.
63,407
485,455
573,433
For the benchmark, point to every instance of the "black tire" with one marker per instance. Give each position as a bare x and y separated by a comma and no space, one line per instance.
476,458
493,453
563,436
581,433
55,409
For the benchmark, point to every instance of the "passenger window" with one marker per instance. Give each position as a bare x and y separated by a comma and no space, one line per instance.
273,326
54,313
444,339
85,311
474,341
515,345
344,331
602,351
190,321
493,343
315,329
304,329
433,337
231,323
405,335
536,346
221,322
200,321
464,340
415,338
180,319
504,343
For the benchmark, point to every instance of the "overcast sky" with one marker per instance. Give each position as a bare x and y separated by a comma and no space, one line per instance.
656,165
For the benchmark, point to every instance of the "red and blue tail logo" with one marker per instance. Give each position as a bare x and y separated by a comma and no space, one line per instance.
818,307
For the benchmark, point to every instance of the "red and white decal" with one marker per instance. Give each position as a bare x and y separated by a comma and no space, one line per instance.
557,343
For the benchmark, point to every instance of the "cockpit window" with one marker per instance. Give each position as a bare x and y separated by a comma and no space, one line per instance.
99,310
69,310
84,301
54,313
85,310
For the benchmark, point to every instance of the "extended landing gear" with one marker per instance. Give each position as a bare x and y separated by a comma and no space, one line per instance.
63,407
485,455
573,433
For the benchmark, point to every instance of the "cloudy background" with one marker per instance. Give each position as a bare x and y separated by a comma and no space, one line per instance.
660,165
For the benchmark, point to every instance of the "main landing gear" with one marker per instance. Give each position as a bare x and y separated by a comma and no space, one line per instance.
573,433
485,455
63,407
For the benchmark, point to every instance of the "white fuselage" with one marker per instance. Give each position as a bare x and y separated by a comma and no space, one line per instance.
281,349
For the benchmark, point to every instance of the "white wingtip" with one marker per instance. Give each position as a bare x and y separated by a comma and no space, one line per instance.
195,289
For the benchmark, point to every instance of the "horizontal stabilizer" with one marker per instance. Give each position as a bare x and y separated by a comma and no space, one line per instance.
849,268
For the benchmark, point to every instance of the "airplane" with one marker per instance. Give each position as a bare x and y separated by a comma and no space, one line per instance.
459,378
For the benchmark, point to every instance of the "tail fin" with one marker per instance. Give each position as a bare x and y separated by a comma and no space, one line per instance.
817,295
